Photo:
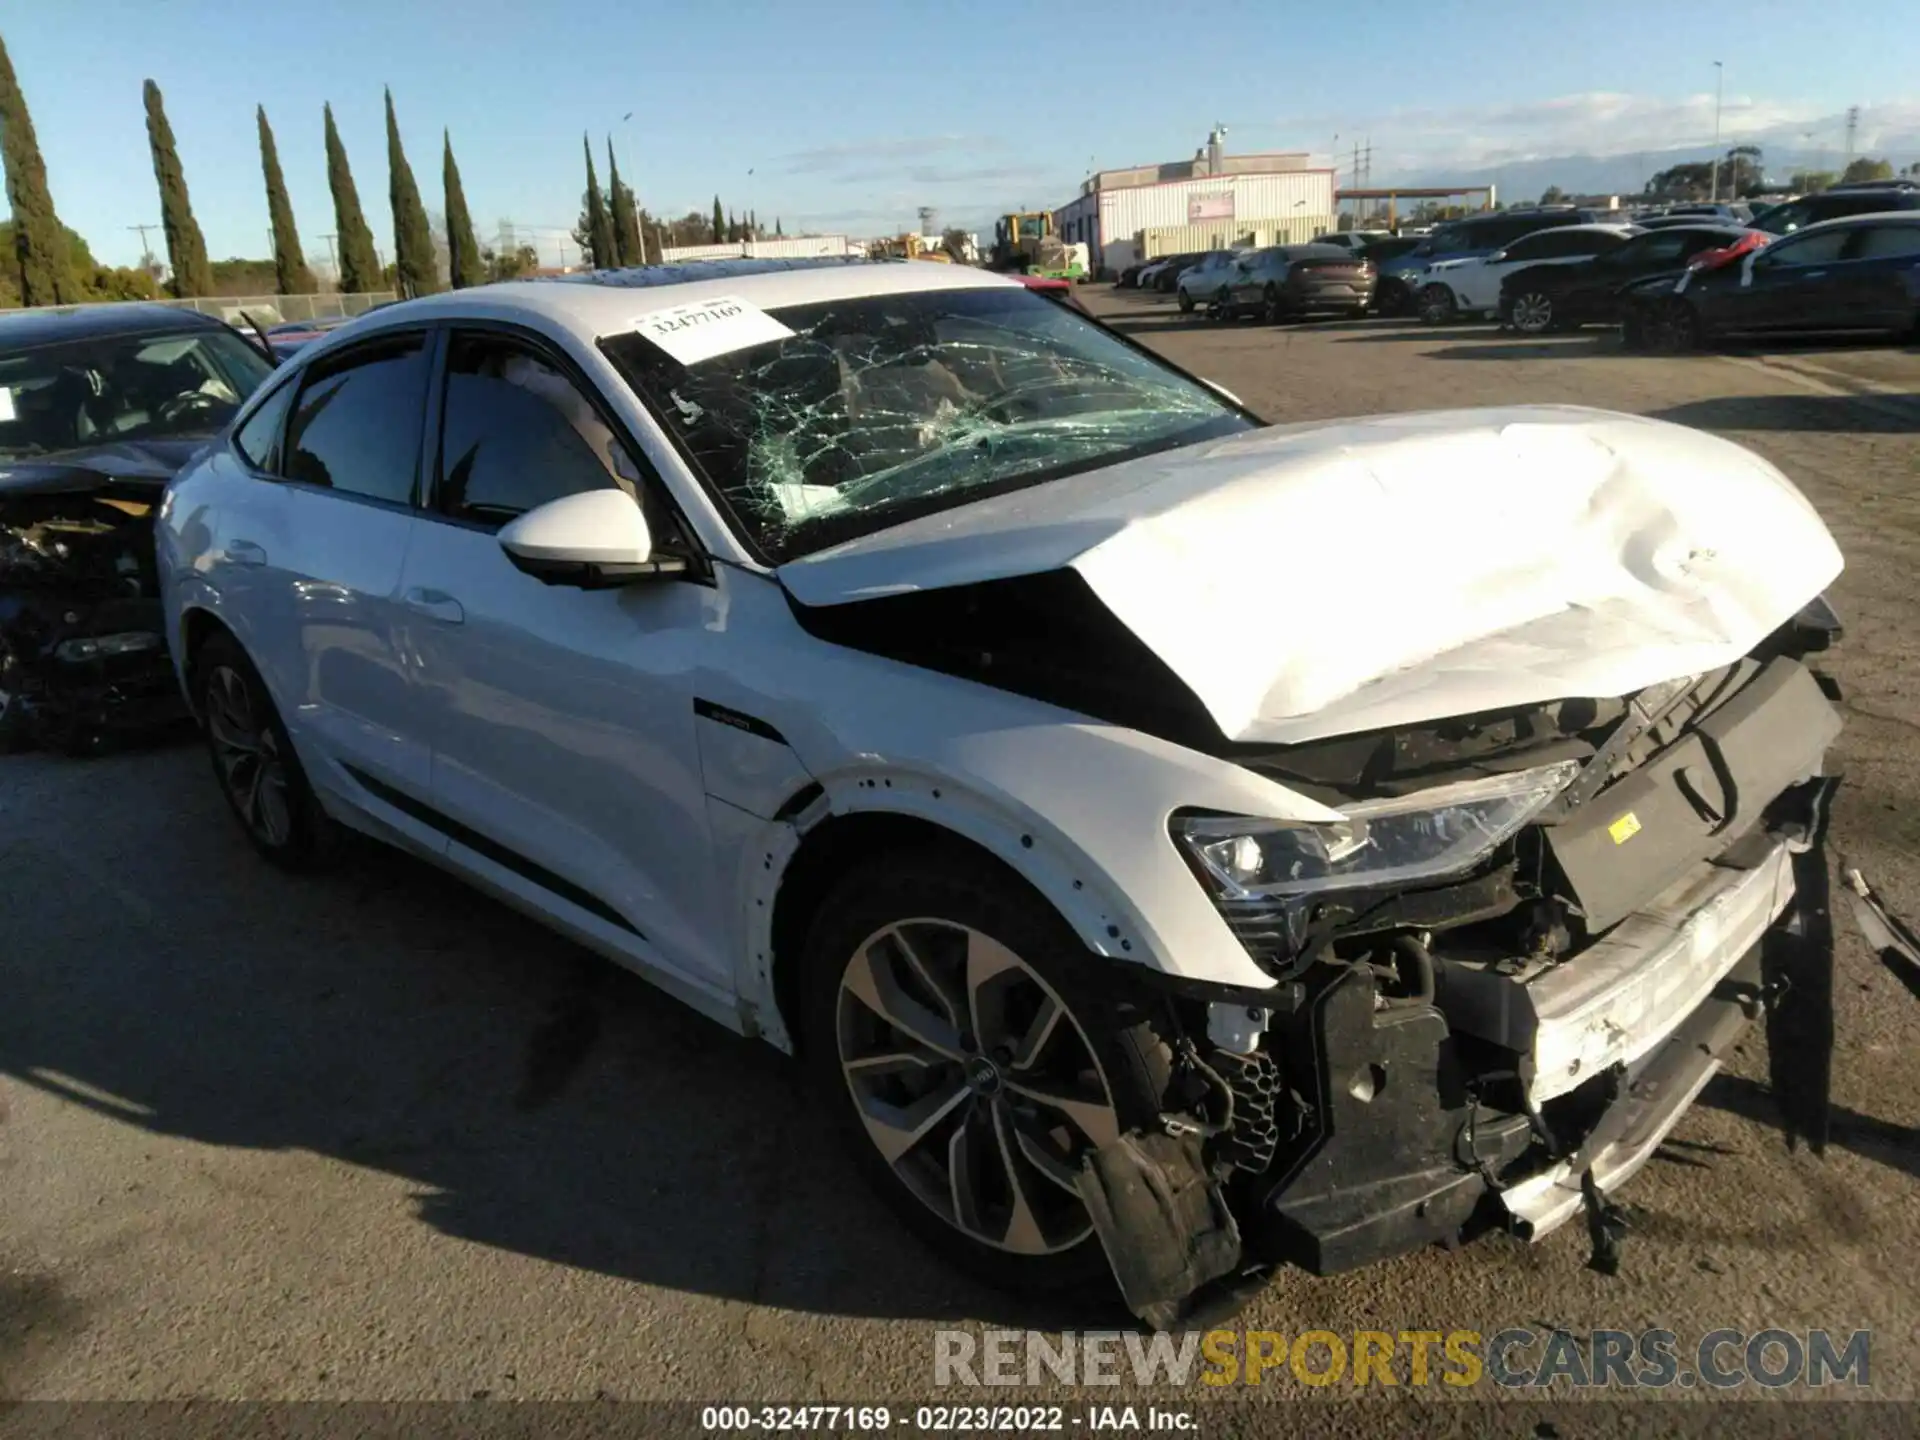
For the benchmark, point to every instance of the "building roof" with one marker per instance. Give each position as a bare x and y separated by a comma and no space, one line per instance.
56,324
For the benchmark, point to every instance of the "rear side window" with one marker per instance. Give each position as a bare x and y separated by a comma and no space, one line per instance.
1562,244
1665,245
1887,242
258,440
356,427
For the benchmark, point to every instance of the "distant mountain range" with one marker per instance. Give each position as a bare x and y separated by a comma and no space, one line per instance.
1527,179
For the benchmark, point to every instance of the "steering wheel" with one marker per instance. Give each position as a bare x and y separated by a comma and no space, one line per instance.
184,404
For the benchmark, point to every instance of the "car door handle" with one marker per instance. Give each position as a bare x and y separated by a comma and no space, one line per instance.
437,603
246,552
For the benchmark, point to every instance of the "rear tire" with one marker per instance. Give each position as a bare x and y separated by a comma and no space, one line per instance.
1186,303
254,761
939,997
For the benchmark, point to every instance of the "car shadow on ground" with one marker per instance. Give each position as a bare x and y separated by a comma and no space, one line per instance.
537,1098
1892,1145
1802,412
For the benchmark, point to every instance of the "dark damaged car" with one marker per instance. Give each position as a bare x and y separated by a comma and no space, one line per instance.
1176,847
99,406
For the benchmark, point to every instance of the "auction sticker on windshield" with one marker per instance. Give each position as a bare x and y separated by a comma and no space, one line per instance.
706,328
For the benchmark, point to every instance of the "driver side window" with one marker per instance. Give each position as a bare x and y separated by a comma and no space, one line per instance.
516,432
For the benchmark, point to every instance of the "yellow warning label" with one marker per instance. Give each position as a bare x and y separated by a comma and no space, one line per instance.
1625,828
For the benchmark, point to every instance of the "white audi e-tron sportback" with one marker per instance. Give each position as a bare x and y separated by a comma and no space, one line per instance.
1175,846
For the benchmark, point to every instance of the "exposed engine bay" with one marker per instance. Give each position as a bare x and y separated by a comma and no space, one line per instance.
1502,1049
82,652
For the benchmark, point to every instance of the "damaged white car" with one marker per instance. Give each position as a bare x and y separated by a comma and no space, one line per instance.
1175,846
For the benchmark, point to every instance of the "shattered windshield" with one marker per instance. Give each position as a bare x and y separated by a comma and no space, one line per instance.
878,409
125,387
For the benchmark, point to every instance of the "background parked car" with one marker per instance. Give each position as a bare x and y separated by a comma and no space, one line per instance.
1400,278
1355,240
1837,204
1170,275
1205,284
1857,274
291,336
1555,297
1736,211
1457,288
1285,282
98,408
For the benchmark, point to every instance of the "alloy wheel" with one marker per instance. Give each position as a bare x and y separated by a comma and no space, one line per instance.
974,1082
246,751
1436,305
1532,313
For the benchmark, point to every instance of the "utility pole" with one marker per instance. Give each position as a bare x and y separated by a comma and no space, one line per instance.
1853,134
333,259
1719,93
146,249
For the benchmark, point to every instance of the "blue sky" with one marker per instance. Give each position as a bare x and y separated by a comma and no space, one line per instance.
846,115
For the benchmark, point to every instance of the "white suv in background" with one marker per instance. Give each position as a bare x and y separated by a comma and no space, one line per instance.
1105,795
1463,289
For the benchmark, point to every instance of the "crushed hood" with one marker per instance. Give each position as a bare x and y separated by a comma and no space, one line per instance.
1315,580
132,462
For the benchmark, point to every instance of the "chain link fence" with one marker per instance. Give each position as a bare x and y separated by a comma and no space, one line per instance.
276,309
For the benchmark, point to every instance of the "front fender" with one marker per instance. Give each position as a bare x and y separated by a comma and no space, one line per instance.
1078,810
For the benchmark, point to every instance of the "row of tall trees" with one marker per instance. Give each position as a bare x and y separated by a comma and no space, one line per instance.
50,265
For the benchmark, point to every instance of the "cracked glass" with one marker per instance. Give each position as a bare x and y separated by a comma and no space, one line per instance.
882,408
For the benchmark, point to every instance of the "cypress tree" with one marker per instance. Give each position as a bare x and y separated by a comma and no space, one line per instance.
627,239
413,258
40,250
186,246
599,224
777,231
359,261
463,251
719,222
290,273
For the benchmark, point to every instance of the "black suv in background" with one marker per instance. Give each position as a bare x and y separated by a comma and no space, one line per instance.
1838,203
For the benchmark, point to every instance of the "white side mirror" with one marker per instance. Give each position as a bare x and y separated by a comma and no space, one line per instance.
594,540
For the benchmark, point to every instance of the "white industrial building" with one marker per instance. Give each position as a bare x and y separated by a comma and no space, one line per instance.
1214,199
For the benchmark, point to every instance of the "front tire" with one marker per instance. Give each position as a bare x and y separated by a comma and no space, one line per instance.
1186,302
1437,305
971,1057
254,761
1672,328
1532,313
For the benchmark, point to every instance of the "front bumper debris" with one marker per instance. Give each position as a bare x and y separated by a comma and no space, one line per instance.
1615,1003
1650,1104
1167,1229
